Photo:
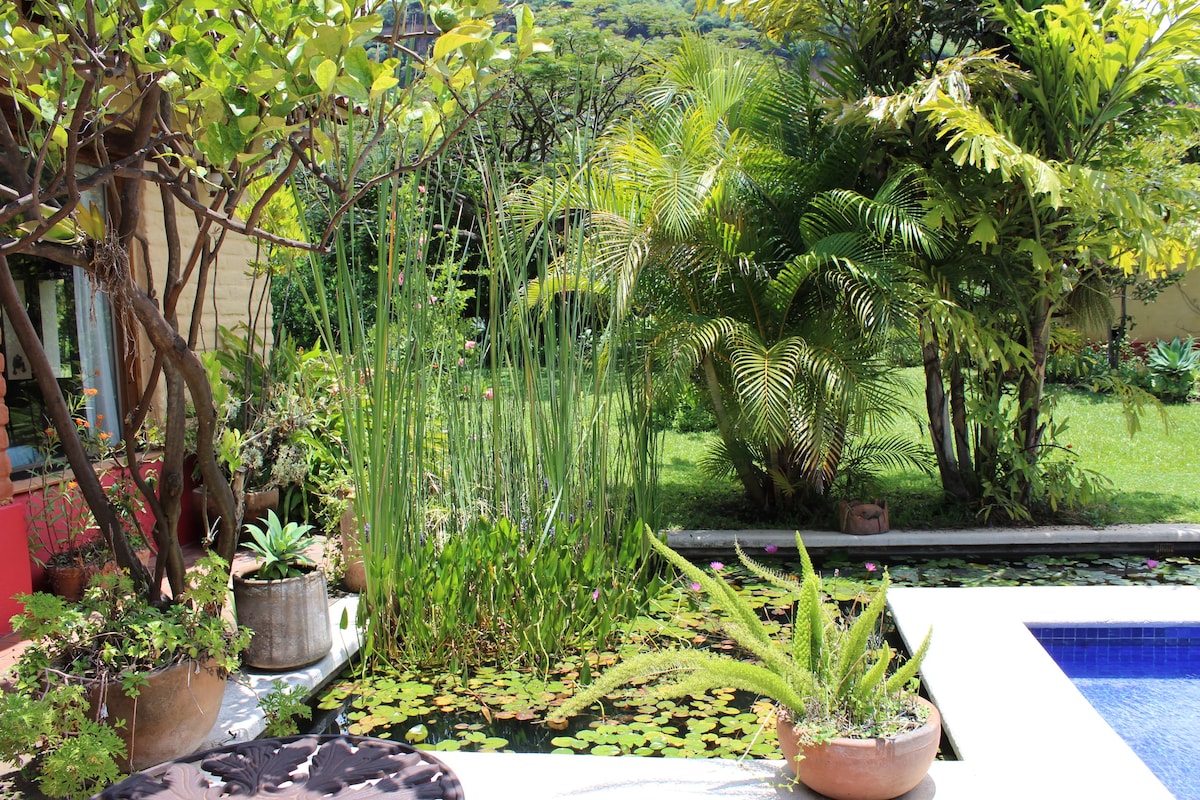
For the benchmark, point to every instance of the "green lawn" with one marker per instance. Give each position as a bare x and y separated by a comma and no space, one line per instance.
1155,474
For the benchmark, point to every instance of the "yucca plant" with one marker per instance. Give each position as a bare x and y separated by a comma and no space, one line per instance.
831,678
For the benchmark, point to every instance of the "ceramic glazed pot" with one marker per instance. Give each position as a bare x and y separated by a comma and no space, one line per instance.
864,769
289,617
170,716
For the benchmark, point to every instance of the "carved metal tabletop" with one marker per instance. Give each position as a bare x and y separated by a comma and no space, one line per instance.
296,768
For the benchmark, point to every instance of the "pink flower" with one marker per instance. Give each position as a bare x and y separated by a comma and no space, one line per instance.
596,595
695,587
772,549
470,344
487,393
871,566
461,362
1151,563
421,188
717,565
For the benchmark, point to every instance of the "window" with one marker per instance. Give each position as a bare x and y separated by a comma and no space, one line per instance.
75,322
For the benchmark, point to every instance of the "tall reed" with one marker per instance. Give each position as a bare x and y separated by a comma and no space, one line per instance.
499,451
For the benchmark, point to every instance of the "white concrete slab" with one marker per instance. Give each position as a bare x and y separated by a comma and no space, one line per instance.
240,718
1148,537
531,776
1010,712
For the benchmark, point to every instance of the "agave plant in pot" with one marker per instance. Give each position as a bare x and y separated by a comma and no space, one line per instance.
285,599
847,728
113,683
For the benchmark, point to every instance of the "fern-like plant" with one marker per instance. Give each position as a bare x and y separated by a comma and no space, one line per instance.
832,678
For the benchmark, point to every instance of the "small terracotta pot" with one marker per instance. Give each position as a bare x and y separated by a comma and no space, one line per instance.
863,769
69,582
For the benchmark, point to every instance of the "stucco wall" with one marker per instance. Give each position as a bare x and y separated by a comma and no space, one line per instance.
1175,312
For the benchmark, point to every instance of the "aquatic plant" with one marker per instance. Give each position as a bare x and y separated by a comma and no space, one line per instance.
832,677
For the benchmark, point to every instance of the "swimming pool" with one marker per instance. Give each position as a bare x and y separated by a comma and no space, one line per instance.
1145,681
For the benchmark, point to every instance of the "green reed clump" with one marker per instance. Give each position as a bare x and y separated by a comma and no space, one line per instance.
498,454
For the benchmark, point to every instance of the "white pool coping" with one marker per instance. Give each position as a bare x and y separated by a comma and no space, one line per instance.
1014,718
1020,727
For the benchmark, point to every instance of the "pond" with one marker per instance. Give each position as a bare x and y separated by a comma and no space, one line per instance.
503,708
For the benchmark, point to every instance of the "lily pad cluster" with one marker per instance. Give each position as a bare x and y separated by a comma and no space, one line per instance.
495,708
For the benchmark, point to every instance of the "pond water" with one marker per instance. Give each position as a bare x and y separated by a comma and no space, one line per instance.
496,707
1145,682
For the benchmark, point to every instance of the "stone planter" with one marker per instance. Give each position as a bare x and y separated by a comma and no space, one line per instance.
289,617
863,769
170,716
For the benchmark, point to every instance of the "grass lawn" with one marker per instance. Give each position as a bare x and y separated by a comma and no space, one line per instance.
1155,474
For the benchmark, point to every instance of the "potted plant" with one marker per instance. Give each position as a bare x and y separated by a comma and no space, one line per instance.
284,600
64,538
113,683
848,729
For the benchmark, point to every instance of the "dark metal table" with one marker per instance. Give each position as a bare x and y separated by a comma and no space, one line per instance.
296,768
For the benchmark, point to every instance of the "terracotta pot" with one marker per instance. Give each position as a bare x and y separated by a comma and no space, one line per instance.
862,518
171,715
354,569
257,504
69,582
289,617
863,769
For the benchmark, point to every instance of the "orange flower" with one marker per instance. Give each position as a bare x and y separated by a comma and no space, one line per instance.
91,392
72,485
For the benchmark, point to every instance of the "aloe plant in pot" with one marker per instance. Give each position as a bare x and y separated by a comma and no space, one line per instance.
848,729
285,600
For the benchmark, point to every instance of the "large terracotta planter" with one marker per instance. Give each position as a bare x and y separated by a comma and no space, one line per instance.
863,769
289,617
171,715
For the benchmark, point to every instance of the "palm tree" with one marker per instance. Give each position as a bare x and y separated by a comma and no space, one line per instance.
727,218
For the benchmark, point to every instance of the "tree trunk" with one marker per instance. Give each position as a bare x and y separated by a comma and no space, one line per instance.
1030,391
60,416
747,473
939,418
962,431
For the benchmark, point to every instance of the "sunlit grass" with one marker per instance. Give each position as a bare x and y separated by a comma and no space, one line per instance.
1155,474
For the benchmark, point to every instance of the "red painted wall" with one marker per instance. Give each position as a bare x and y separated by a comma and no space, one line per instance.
14,562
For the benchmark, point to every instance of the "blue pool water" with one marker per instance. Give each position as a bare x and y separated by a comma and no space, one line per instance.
1145,681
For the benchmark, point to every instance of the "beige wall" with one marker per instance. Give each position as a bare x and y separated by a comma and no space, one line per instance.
1175,312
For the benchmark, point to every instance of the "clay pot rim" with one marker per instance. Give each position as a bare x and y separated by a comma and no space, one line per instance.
934,717
206,663
248,578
